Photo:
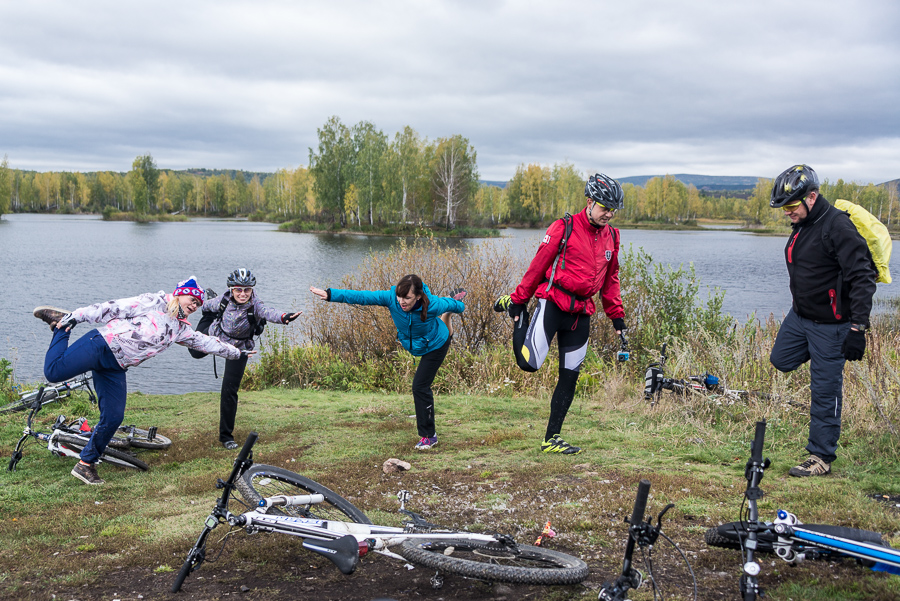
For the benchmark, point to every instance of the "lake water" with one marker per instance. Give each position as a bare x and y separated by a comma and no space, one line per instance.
73,261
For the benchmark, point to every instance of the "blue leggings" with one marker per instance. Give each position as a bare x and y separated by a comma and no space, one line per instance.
91,353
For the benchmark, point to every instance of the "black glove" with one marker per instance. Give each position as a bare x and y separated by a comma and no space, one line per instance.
854,345
288,317
245,354
619,324
66,322
210,293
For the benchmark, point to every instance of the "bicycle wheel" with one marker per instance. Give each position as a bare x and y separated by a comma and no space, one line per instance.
261,481
138,437
730,535
25,401
111,456
522,564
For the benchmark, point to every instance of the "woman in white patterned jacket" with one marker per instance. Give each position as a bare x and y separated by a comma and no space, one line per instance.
135,330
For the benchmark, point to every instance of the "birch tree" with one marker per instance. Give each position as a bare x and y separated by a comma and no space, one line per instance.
455,176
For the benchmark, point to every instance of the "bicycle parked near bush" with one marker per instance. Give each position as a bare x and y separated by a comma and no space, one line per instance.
51,393
655,381
68,439
287,503
788,538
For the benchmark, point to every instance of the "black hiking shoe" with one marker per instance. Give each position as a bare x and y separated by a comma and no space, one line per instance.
87,473
230,445
49,315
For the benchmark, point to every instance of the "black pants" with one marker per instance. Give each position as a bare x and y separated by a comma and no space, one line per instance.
800,340
231,382
429,363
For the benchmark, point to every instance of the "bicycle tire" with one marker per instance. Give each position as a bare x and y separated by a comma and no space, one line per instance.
137,437
729,536
260,481
182,574
523,564
111,456
24,402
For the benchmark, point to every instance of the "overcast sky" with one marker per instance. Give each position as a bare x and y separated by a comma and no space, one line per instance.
626,87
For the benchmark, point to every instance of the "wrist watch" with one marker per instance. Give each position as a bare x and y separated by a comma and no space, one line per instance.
858,326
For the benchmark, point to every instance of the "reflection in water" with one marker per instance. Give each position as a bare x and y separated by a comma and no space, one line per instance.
72,261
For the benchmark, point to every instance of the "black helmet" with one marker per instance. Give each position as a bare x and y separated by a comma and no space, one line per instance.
793,184
605,190
241,277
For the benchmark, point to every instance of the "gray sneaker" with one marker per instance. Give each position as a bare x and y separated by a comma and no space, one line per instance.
86,473
813,466
49,315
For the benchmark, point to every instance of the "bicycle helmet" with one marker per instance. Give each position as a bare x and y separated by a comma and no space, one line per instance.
241,277
605,190
792,185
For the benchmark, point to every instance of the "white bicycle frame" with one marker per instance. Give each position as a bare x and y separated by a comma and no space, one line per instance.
375,538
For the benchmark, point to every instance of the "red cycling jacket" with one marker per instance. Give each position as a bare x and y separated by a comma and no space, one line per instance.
591,266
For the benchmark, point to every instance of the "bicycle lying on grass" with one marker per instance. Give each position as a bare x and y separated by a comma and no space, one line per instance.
68,440
788,538
50,393
287,503
642,535
655,381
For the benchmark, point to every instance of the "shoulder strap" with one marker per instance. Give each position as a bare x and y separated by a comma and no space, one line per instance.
251,317
223,304
563,244
827,242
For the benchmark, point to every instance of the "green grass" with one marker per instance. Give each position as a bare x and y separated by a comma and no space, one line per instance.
486,474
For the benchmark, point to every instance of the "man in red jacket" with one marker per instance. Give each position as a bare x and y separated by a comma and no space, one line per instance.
565,274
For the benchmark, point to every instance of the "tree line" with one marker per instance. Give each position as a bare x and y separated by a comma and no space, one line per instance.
359,177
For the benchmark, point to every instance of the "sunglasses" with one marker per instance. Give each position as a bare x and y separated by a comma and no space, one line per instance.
791,207
242,290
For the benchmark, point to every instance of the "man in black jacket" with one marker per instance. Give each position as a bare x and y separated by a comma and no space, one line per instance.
832,279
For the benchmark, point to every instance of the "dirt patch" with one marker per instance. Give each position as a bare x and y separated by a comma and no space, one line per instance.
891,501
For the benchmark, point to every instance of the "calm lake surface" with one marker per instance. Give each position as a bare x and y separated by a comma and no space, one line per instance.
73,261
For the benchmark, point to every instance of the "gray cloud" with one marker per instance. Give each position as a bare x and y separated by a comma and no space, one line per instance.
628,88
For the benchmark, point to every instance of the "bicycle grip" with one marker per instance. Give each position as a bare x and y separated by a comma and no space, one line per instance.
248,444
640,503
757,448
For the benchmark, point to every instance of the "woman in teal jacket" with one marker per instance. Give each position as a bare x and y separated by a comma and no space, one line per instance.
420,329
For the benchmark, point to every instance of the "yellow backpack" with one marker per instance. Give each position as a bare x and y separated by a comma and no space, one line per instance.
876,234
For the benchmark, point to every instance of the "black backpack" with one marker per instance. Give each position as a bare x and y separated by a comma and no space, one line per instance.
208,317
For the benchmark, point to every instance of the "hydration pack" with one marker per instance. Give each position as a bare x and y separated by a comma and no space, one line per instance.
876,235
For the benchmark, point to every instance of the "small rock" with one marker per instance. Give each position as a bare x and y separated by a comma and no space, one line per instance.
394,465
245,588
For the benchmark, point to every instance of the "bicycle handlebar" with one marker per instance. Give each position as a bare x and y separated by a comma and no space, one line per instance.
757,448
640,503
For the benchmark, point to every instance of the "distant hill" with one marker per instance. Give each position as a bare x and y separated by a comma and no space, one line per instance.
232,173
701,182
894,183
485,182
